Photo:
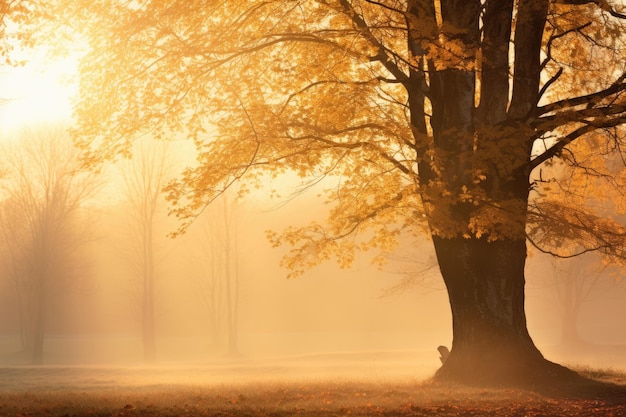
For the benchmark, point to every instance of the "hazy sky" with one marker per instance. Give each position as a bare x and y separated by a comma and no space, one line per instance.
38,92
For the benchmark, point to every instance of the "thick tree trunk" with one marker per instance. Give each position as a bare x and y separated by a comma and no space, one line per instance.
474,176
491,343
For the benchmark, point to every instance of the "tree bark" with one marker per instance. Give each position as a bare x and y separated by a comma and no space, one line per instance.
482,149
491,343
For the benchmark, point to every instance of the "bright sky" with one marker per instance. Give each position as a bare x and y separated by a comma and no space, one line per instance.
37,93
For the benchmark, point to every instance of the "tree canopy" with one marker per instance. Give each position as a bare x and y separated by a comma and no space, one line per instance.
320,88
440,117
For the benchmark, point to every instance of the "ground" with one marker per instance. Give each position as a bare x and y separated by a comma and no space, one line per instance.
232,389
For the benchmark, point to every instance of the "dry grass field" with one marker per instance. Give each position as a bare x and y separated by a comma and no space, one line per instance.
264,390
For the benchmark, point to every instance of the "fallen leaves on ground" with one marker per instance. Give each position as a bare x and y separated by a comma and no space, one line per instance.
301,398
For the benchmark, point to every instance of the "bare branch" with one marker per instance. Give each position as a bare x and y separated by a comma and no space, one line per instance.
602,4
555,254
553,224
549,123
589,100
558,36
353,145
382,55
588,128
547,85
385,6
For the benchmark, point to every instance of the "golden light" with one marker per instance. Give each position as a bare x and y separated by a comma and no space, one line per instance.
36,93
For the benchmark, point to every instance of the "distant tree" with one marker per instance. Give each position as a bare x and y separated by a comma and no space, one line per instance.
432,116
216,259
144,176
575,279
416,266
576,227
44,224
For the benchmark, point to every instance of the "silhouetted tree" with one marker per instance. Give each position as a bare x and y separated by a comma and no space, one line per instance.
43,225
216,258
144,176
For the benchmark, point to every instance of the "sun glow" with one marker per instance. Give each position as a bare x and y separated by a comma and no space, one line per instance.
36,93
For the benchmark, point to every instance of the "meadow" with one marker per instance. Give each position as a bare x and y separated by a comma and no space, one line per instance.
298,387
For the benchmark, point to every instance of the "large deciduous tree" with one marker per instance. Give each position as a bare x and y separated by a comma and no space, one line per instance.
430,115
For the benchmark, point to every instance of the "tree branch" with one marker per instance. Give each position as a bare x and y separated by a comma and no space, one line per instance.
574,224
586,115
602,4
589,100
385,6
588,128
557,255
547,85
382,56
354,145
558,36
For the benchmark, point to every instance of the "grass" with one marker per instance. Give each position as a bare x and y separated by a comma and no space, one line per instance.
93,391
603,374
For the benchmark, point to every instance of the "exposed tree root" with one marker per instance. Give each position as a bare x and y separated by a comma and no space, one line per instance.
535,373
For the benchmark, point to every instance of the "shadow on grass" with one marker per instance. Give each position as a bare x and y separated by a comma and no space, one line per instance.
593,384
107,392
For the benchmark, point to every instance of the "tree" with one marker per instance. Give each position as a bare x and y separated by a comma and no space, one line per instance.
217,262
43,227
574,281
17,19
584,255
429,116
144,177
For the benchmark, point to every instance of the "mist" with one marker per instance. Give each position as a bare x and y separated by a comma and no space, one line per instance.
221,302
338,313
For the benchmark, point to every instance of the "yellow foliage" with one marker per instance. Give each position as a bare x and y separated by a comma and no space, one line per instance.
377,99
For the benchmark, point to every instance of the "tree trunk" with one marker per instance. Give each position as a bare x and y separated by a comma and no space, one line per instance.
571,303
148,323
38,344
491,343
149,343
39,328
569,330
148,331
232,284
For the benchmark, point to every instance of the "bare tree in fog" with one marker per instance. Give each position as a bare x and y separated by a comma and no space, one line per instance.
576,281
144,177
218,270
43,226
416,265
